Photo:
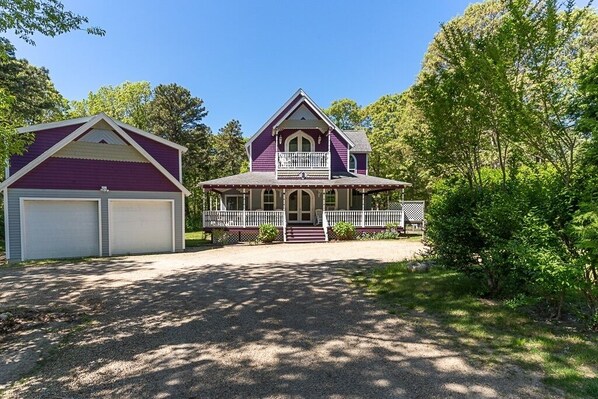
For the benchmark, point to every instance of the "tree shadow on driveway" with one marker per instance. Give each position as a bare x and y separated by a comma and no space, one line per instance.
251,331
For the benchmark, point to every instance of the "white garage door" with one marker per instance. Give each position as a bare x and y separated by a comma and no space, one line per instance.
138,227
60,229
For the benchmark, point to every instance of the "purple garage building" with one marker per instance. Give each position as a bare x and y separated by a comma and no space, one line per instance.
306,174
93,186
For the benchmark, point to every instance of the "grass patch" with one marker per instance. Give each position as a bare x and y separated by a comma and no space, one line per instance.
196,239
490,331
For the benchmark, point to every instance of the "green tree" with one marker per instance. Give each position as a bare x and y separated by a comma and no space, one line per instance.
229,155
36,98
393,119
48,17
126,102
345,113
174,114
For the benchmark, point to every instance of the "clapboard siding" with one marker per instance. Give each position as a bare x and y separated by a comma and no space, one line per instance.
263,148
86,174
339,153
362,163
44,139
166,156
14,196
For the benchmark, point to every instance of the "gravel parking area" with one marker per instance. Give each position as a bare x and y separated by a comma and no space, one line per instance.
276,321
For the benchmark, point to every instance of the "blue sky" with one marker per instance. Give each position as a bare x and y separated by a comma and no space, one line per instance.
245,58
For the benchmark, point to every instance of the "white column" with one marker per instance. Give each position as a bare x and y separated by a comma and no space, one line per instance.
362,208
244,213
284,215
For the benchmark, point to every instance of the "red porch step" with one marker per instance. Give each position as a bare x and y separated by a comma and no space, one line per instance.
304,234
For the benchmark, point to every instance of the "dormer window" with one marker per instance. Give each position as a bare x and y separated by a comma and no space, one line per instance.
352,164
300,142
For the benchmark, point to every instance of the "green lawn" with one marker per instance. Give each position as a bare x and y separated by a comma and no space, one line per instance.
196,239
488,331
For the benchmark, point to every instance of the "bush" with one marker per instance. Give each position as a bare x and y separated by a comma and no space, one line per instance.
344,231
267,233
512,236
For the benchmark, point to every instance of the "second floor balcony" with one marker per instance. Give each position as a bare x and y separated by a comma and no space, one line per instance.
311,164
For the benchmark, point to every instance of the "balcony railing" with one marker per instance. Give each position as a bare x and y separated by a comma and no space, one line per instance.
302,160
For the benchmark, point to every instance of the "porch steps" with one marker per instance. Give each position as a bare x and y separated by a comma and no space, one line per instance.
304,234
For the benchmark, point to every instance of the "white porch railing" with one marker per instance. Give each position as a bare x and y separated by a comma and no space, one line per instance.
302,160
364,218
242,218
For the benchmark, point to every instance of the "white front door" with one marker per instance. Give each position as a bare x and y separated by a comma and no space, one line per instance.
300,207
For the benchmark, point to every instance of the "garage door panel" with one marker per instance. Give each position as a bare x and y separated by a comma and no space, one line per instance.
60,229
141,227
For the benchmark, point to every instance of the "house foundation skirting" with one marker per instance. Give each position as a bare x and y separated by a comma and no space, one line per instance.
226,236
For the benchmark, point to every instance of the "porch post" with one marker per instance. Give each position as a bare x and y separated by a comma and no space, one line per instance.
362,208
244,213
403,208
323,200
209,200
284,215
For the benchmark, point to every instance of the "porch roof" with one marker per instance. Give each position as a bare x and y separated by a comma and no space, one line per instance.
269,180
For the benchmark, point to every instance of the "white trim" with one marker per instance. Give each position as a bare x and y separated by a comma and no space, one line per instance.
299,134
306,98
22,216
6,225
111,224
250,158
54,125
273,199
85,119
180,166
150,136
352,156
183,220
367,164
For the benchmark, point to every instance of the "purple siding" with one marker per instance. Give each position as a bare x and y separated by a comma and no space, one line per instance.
83,174
263,148
361,163
314,133
44,139
339,153
166,156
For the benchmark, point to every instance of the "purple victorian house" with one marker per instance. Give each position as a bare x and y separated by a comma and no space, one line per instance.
306,174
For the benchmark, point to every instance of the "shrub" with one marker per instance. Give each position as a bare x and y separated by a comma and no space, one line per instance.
267,233
344,231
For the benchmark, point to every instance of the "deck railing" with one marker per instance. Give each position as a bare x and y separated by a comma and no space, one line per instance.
303,160
229,219
364,218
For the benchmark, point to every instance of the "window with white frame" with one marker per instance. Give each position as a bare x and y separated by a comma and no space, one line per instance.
235,202
330,200
300,142
268,200
352,164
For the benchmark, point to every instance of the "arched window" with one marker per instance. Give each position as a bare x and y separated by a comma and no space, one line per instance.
352,164
268,200
330,200
300,142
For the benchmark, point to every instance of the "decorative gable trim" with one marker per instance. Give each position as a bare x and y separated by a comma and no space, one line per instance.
102,136
78,132
85,119
304,99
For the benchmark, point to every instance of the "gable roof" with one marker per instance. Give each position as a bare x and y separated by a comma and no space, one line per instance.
359,137
92,121
305,98
85,119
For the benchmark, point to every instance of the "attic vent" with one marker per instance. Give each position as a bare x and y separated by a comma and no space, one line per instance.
102,135
303,118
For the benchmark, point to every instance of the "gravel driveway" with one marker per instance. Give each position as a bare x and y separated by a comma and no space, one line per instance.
276,321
